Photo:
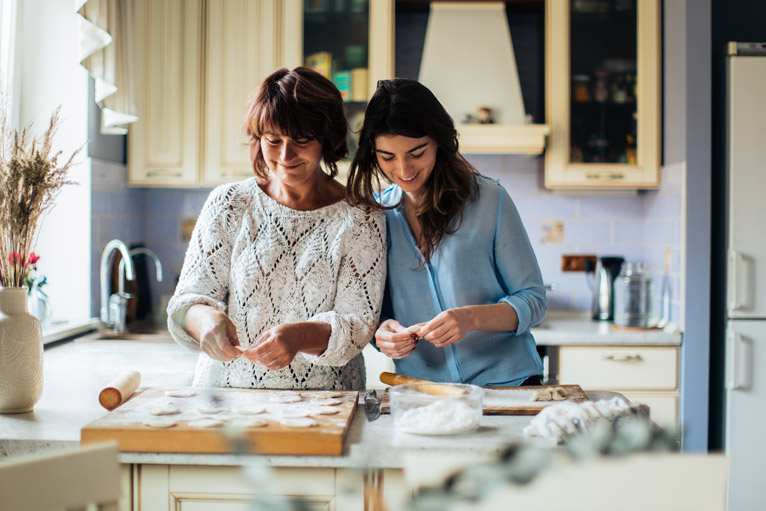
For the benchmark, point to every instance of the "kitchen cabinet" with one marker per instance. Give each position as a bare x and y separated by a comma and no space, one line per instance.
603,94
643,374
195,64
225,488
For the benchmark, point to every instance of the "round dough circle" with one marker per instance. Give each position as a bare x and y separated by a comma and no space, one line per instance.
285,398
160,423
294,412
181,393
326,402
210,409
206,423
323,410
164,409
326,394
300,422
250,410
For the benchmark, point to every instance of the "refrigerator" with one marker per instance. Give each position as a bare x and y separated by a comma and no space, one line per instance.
745,353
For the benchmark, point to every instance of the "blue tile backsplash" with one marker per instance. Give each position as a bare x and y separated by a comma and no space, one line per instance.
638,227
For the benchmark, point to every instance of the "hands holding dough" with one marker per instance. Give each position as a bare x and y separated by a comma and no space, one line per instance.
396,341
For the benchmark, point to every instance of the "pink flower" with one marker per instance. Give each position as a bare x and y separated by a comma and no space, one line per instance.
33,258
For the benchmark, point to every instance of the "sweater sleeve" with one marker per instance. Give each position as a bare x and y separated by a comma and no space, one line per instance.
205,274
361,279
517,266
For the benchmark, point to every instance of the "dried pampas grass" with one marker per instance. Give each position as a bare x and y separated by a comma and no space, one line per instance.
30,180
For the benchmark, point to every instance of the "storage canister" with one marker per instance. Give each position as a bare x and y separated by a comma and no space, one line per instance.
633,291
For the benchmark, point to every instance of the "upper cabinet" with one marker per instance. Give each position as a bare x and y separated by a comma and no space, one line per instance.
603,94
167,88
195,63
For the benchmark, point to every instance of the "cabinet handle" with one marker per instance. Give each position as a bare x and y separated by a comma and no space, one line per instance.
162,173
622,358
605,176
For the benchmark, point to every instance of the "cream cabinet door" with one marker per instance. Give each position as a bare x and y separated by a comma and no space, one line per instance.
163,145
240,51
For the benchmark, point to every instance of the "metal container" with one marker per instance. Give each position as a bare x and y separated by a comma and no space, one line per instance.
633,292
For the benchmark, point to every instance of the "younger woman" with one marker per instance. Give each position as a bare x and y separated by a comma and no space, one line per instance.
460,264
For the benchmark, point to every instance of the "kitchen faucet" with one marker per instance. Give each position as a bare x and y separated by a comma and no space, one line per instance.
114,307
136,251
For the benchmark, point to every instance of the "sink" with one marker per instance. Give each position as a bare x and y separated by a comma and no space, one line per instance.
137,331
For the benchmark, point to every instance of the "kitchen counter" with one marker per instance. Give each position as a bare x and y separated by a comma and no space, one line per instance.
74,373
578,330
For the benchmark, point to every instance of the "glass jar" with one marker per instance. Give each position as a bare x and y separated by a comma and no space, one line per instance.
633,292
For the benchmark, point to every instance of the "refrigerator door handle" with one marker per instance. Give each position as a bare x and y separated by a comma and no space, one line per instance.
736,361
737,292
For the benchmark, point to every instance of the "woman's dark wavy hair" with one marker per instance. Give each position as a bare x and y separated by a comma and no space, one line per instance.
407,107
301,104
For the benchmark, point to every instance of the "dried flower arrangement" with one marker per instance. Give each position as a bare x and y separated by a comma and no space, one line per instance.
30,180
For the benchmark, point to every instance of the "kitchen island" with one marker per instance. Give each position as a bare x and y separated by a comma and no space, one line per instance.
75,372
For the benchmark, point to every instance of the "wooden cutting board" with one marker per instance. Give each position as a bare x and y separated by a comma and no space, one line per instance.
513,400
126,424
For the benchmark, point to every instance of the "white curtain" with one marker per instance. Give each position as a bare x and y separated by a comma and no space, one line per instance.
7,46
105,46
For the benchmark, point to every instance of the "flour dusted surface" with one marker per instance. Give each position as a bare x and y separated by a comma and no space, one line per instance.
264,264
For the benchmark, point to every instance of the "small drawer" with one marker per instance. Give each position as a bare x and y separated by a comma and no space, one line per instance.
619,367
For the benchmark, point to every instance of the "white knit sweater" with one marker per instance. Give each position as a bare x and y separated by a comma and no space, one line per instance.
264,264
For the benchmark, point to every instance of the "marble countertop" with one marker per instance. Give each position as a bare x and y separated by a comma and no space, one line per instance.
563,330
75,371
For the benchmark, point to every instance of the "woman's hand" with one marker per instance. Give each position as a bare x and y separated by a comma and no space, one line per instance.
448,327
393,340
215,332
278,346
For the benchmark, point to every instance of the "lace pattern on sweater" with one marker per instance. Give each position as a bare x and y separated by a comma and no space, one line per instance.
264,264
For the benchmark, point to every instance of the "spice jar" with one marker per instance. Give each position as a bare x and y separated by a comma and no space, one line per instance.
580,88
601,86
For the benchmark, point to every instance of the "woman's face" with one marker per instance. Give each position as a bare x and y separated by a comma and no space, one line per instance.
406,161
291,160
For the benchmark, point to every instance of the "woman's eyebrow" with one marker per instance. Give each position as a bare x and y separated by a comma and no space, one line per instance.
418,147
409,150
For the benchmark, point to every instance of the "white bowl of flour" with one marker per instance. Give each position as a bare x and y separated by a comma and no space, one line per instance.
443,409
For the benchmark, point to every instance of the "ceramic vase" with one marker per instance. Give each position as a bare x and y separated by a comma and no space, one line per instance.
21,353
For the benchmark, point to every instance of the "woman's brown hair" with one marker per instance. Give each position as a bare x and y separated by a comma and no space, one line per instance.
301,104
407,107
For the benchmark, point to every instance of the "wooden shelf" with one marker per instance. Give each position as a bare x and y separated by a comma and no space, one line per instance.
502,138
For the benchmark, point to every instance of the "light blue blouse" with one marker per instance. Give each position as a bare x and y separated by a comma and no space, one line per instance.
488,260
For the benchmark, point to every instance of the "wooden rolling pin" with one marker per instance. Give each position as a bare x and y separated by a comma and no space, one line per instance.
429,387
119,390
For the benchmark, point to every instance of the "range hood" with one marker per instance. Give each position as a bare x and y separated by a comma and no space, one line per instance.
468,63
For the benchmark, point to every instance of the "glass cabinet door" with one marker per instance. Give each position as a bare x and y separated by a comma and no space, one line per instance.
336,44
603,98
348,41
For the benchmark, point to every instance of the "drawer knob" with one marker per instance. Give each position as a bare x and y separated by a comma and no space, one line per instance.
622,357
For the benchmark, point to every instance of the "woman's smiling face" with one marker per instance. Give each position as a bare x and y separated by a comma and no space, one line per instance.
406,161
288,158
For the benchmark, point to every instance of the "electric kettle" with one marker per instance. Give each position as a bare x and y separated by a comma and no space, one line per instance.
607,269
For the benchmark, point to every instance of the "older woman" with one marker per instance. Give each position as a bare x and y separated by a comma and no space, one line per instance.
283,278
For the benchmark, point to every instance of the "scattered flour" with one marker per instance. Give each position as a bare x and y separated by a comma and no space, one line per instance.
443,417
